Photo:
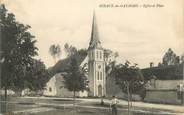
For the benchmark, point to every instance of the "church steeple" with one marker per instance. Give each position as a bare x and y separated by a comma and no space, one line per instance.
94,42
96,63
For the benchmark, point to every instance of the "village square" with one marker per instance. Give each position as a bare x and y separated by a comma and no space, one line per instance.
86,78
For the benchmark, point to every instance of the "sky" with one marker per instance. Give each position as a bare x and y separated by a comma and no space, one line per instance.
140,35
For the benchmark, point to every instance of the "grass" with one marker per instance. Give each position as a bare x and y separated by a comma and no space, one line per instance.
28,103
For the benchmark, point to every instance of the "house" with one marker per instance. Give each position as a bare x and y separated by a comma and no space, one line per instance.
55,87
163,83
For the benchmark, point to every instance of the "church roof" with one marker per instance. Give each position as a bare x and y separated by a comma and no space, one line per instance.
95,41
62,65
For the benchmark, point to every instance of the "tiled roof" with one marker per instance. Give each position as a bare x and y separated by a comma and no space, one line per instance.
171,72
63,64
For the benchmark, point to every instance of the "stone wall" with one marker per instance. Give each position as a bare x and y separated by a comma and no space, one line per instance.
167,84
163,91
162,96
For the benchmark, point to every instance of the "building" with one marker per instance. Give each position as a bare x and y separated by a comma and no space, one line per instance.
163,84
93,60
55,87
96,64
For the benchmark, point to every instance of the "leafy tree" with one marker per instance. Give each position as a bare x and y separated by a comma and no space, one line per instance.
110,56
116,54
37,76
82,52
75,80
170,58
18,46
55,51
70,50
17,52
107,53
129,78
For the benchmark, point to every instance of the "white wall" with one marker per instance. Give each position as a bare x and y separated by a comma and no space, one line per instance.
50,84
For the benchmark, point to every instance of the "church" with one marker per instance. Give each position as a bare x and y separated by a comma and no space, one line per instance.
101,84
94,62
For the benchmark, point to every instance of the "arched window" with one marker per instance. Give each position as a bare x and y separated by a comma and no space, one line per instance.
89,54
100,55
100,90
100,75
50,89
97,54
92,55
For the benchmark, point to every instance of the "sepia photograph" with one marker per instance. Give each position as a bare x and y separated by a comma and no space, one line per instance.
91,57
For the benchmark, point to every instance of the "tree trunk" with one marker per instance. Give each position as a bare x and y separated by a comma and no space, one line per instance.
128,98
5,99
74,97
74,102
5,93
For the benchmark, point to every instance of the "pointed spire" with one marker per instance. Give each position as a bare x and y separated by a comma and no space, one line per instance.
95,42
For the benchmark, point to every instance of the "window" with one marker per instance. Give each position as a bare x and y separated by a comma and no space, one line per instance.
50,89
92,55
100,55
98,76
97,54
62,87
89,54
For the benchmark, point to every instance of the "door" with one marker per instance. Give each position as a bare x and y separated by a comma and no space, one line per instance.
100,90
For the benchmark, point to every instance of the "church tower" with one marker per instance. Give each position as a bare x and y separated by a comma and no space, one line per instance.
96,63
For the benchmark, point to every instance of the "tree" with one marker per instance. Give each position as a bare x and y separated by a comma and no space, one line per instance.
70,50
170,58
18,46
110,56
116,54
107,53
37,76
18,50
55,51
129,78
75,80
